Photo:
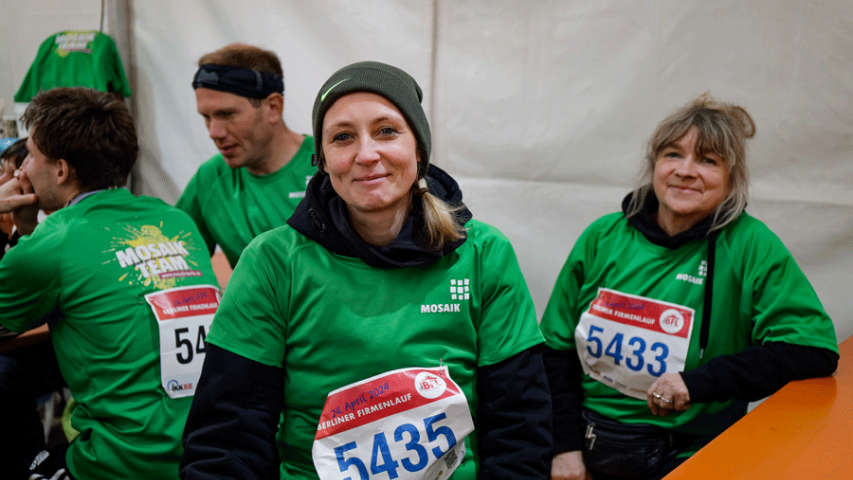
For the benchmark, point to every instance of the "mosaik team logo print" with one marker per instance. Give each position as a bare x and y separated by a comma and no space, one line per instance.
460,290
74,42
149,256
700,276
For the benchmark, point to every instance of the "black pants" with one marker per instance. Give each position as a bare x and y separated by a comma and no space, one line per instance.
618,451
26,374
661,471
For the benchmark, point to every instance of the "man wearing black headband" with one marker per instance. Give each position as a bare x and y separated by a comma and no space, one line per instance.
260,173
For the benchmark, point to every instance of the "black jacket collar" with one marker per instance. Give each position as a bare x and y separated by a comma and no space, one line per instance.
645,222
322,216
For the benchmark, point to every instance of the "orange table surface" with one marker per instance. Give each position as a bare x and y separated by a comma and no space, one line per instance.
803,431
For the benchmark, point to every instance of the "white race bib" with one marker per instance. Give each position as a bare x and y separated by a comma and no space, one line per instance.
627,342
404,424
183,315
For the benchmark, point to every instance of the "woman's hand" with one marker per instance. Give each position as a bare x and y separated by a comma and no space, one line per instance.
569,466
668,393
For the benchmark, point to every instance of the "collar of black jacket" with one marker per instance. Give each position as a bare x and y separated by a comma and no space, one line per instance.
322,216
645,222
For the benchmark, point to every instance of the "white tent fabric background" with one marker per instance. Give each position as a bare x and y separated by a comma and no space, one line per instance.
540,110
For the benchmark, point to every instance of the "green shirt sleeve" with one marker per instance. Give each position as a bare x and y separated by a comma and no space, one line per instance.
251,319
507,323
563,312
784,305
28,294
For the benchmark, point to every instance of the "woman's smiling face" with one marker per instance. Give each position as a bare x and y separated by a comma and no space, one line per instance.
689,185
370,153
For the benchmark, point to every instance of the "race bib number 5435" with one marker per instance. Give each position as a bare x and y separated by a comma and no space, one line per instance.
404,424
627,341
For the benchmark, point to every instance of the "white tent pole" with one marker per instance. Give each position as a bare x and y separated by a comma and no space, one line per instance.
119,17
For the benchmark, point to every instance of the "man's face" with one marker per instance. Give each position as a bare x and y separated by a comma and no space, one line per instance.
241,131
42,175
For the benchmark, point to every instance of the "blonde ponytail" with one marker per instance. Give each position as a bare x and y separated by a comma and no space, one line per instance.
440,221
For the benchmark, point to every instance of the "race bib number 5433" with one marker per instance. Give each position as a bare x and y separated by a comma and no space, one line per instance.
627,341
404,424
183,315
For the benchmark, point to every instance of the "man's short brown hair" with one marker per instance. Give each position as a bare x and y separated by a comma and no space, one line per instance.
246,56
91,130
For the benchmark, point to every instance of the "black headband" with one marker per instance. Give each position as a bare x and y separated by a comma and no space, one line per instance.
238,80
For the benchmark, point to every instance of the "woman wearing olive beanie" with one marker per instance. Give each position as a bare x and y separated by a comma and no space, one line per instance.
383,331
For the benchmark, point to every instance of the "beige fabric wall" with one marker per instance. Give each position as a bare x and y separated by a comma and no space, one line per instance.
545,109
539,109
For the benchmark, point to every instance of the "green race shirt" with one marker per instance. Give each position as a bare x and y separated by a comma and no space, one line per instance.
331,320
232,206
75,59
86,269
760,295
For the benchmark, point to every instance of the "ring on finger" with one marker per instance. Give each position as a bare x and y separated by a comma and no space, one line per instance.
657,395
668,400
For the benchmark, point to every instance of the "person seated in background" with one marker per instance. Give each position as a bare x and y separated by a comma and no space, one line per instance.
260,173
12,154
125,284
379,326
671,315
13,151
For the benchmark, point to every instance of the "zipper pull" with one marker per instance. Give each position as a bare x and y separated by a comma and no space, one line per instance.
590,435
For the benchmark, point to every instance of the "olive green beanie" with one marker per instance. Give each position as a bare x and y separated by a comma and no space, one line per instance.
390,82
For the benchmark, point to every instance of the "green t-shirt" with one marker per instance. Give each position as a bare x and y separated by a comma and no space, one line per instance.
232,206
78,270
331,320
760,295
75,59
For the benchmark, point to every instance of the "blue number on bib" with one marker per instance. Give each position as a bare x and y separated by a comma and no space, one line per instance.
380,449
660,358
432,435
614,348
345,464
638,352
389,465
591,338
413,445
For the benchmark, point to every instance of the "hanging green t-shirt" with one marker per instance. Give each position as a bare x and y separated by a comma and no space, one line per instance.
760,295
75,59
87,270
331,320
232,206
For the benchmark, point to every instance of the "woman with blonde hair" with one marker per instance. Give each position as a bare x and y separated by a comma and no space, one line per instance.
383,333
671,315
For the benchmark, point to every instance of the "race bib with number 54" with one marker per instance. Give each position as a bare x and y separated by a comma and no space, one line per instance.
184,315
404,424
